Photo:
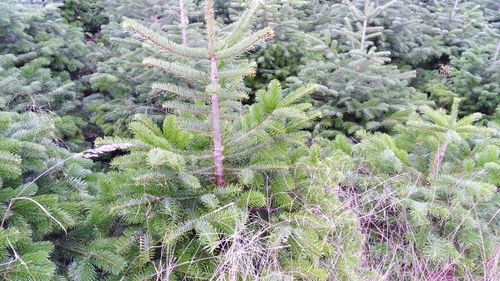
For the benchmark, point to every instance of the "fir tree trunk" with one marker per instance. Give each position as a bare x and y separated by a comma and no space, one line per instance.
218,157
183,22
439,157
363,34
214,100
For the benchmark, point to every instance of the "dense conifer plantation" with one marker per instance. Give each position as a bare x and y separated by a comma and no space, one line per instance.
249,140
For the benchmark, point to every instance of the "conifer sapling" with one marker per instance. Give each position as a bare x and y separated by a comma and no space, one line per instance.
233,46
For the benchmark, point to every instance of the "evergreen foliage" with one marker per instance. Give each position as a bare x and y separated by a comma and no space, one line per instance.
280,58
41,60
87,14
435,177
122,87
453,43
360,88
475,76
360,143
42,189
174,221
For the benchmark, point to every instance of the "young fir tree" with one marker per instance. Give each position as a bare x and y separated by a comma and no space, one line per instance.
220,190
42,189
423,196
360,88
